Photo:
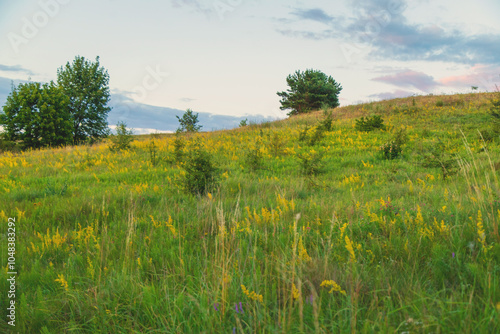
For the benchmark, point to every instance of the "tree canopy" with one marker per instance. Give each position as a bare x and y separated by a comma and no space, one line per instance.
72,111
188,122
309,90
86,84
37,115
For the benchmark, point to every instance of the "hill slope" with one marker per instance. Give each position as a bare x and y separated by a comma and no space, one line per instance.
308,231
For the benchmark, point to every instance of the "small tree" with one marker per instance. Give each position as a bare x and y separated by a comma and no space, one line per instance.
495,113
201,173
188,122
370,123
86,85
309,90
37,115
122,139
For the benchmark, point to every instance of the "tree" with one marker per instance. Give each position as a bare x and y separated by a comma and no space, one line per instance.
122,139
37,115
309,90
201,173
86,85
188,122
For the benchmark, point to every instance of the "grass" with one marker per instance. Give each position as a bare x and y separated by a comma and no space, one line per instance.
110,242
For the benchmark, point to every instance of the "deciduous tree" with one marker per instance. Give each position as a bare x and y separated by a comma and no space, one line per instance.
37,115
86,84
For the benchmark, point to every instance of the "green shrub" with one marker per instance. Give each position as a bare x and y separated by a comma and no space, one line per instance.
406,109
438,157
394,148
311,163
153,150
276,144
202,175
495,113
319,131
327,123
488,135
122,139
391,150
440,103
178,149
370,123
303,134
254,159
317,136
244,122
8,145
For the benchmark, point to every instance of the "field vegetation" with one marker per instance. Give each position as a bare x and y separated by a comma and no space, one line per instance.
304,225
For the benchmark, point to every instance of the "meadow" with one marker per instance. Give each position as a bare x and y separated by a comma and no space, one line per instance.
312,235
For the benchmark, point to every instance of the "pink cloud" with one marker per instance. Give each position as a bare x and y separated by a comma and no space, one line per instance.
483,76
410,79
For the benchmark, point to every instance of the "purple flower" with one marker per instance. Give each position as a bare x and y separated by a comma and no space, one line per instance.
215,306
453,255
236,308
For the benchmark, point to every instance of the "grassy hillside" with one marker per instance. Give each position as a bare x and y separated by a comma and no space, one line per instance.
307,232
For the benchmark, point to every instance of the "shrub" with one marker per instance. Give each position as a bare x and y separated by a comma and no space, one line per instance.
327,123
495,113
178,149
438,157
406,109
319,132
394,148
391,150
201,173
244,122
370,123
303,134
254,158
276,144
153,150
311,162
8,145
317,136
122,139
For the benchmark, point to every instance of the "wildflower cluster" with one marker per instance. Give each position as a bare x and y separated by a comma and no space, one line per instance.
251,294
334,286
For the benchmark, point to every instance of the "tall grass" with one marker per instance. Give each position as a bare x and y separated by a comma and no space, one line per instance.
110,241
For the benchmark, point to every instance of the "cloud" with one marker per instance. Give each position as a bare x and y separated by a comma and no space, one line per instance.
392,95
187,99
486,77
382,26
401,41
410,79
15,68
326,34
315,14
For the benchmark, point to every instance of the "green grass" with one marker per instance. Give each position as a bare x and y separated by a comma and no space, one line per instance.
413,252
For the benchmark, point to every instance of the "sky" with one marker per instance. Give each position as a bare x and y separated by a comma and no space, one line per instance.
227,59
